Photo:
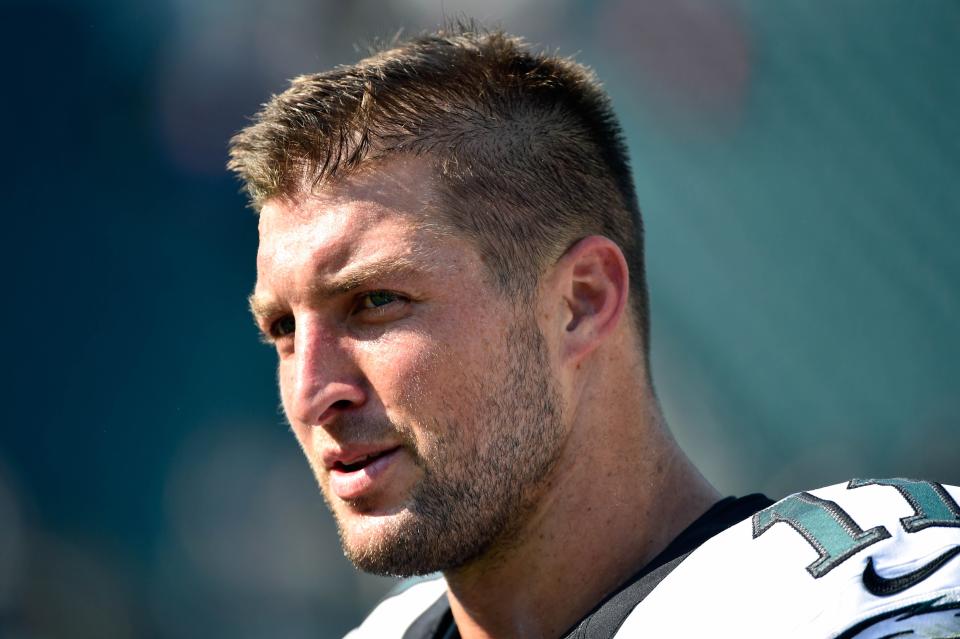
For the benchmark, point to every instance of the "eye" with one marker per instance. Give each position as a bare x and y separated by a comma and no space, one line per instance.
377,299
283,327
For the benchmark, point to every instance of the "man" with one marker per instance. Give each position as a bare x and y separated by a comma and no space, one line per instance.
451,270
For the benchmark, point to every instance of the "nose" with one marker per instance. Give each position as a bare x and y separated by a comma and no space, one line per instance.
322,379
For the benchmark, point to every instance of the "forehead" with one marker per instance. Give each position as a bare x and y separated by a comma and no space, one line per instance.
386,211
400,186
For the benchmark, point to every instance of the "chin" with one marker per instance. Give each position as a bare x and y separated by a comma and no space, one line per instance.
388,544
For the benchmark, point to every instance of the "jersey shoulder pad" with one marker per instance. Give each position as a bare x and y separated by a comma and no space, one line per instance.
396,613
866,558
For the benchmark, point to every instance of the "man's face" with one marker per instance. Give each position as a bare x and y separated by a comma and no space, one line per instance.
421,396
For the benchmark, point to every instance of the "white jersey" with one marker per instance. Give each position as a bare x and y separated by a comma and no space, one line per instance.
866,559
394,617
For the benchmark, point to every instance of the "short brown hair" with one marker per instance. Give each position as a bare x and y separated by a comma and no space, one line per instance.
526,147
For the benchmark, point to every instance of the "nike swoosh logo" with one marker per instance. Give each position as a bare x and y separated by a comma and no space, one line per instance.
885,587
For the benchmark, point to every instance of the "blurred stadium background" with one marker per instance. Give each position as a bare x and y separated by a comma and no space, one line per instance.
799,168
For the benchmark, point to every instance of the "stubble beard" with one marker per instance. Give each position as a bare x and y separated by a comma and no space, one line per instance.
475,495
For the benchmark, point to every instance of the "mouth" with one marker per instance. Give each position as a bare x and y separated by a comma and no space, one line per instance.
362,475
361,463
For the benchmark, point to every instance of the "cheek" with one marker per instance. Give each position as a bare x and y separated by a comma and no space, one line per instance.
402,370
436,385
285,382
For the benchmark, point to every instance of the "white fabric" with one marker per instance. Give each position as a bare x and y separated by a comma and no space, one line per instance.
738,586
395,614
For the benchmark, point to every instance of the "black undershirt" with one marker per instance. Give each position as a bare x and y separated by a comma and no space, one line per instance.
607,616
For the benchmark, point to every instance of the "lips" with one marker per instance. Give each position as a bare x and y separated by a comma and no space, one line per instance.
354,473
357,464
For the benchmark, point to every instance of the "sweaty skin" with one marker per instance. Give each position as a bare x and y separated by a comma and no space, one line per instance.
451,426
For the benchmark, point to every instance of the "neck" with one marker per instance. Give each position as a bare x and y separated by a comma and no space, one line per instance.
620,493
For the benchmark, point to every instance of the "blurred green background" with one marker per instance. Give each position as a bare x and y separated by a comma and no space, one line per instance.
798,164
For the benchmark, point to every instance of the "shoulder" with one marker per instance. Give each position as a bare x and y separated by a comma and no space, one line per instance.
864,558
398,611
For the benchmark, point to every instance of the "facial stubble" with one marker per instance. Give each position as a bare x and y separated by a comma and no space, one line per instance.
482,473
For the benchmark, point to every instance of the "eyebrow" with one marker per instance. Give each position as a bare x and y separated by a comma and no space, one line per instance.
393,266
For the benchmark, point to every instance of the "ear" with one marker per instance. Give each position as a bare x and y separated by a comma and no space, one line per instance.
593,281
